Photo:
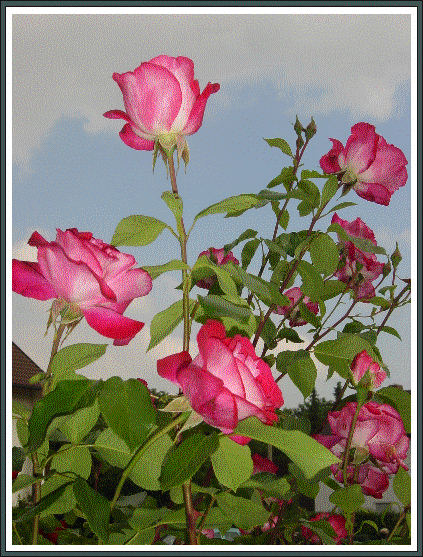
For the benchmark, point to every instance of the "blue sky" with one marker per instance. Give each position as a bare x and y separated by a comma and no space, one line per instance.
70,168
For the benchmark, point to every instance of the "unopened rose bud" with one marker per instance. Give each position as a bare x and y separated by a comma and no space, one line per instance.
311,129
396,257
366,372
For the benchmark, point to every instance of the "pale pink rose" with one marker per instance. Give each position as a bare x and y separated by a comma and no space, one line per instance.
363,363
226,382
208,532
263,464
359,278
295,319
218,257
337,522
88,278
376,168
162,100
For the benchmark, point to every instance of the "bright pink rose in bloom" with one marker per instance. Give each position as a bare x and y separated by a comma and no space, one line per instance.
337,522
375,168
293,310
362,364
226,382
88,278
162,101
369,268
218,257
263,464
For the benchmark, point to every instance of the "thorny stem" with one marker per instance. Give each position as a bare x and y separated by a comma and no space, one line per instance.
189,513
391,309
345,461
319,337
400,519
34,456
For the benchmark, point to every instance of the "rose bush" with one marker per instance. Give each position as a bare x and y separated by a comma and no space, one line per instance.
88,278
295,295
226,382
218,257
358,268
162,102
373,167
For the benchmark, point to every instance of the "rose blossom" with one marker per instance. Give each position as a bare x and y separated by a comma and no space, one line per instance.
360,279
362,364
293,310
218,257
162,101
88,278
226,382
375,168
337,522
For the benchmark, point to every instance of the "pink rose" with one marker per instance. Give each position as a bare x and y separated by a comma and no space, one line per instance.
88,278
162,101
226,382
375,168
369,268
362,364
293,310
263,464
218,257
337,522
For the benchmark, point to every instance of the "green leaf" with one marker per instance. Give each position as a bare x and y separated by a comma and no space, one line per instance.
137,230
232,463
286,177
290,335
312,285
311,191
165,322
23,480
72,459
306,174
235,204
44,504
146,472
18,458
220,306
379,301
306,486
175,204
329,190
174,265
248,252
322,528
280,144
268,292
224,279
245,514
19,409
79,424
249,233
391,331
400,400
340,352
62,504
273,486
127,409
402,486
299,423
184,461
332,288
95,507
147,518
308,315
342,205
349,499
71,358
300,368
309,455
324,254
361,243
66,398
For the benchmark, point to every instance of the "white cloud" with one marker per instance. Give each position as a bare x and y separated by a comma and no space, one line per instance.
62,64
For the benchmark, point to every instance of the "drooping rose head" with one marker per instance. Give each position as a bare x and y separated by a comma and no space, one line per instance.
363,364
226,382
337,522
293,310
358,268
88,278
263,464
162,102
373,167
218,257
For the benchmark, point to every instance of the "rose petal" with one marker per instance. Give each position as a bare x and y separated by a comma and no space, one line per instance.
28,280
196,116
112,325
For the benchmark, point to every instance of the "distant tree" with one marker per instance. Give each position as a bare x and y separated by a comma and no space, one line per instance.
315,409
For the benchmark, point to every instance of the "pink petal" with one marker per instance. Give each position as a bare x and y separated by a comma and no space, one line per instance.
76,250
329,163
240,439
28,280
262,464
221,412
170,366
129,285
112,325
152,97
116,115
388,168
196,116
37,240
360,149
373,192
133,140
183,70
74,282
